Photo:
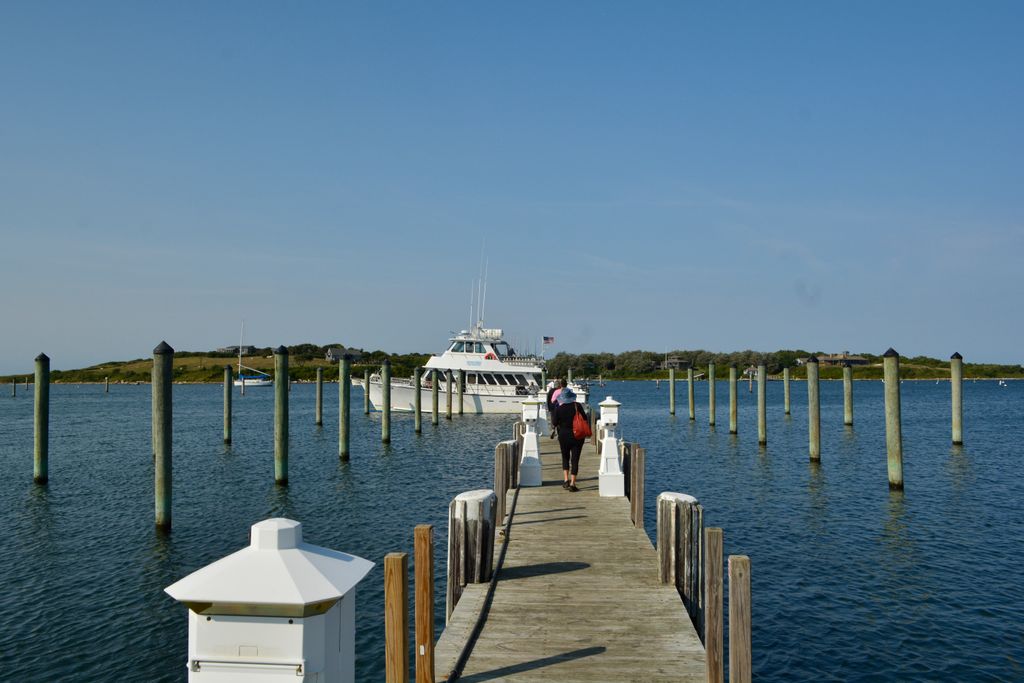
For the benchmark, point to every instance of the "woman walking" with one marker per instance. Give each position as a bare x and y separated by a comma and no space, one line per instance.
570,445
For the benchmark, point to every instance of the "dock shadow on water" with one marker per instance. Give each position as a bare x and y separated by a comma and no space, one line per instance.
563,658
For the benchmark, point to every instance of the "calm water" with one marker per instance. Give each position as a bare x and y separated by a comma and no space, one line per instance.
850,582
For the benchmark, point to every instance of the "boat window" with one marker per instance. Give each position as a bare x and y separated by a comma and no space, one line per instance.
457,347
470,378
488,379
479,348
503,349
521,380
501,379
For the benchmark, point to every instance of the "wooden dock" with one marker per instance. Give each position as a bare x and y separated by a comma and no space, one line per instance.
577,598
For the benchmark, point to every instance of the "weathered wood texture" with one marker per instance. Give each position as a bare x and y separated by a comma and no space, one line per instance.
578,598
506,474
714,636
396,617
471,529
739,619
681,553
423,559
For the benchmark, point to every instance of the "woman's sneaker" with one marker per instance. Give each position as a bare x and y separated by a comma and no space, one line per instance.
565,485
572,487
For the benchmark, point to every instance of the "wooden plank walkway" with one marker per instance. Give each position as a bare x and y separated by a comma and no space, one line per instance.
578,598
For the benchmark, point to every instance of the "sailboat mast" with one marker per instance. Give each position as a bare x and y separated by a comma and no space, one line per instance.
241,336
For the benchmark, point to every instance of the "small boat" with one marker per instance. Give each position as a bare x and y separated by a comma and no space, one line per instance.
260,379
497,378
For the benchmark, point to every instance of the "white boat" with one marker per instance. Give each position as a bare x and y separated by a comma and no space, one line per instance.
497,378
260,379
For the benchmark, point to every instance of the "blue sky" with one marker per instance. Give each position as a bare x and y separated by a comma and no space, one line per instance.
825,176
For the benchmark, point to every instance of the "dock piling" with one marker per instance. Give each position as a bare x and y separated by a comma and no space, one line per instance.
785,390
423,568
41,456
689,391
417,381
227,404
344,403
714,636
448,395
462,389
385,401
319,397
733,409
847,394
396,618
366,392
956,385
762,407
711,394
106,385
281,384
739,619
471,520
893,428
671,391
433,397
813,410
163,369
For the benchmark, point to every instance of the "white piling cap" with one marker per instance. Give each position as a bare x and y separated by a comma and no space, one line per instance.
678,497
277,568
609,402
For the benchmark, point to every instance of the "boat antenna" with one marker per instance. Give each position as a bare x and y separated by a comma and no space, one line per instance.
470,304
483,306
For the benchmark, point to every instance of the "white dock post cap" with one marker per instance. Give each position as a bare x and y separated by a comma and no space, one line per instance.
277,571
677,497
609,412
471,498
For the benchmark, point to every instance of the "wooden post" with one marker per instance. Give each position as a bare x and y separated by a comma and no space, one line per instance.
106,385
344,403
638,471
14,388
813,410
448,395
568,377
462,390
739,619
423,566
733,410
785,389
893,427
956,385
543,380
396,618
671,391
762,407
41,459
689,391
417,408
847,394
319,397
281,383
227,404
501,478
433,397
471,520
385,402
163,368
366,392
711,394
714,638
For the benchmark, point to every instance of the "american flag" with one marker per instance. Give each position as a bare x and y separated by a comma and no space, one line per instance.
549,340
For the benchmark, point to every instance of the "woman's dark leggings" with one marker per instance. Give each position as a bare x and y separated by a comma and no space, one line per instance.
571,449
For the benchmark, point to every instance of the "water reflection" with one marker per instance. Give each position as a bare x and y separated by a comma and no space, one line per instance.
280,502
901,549
959,468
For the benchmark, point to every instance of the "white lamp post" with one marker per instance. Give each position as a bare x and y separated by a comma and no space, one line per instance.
529,464
610,479
278,610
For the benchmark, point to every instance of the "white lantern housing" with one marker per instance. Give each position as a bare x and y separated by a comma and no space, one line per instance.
610,412
277,610
531,411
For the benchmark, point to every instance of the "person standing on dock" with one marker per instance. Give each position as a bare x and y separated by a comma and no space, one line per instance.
571,446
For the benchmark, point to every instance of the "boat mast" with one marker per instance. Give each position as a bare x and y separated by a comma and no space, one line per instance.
241,336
